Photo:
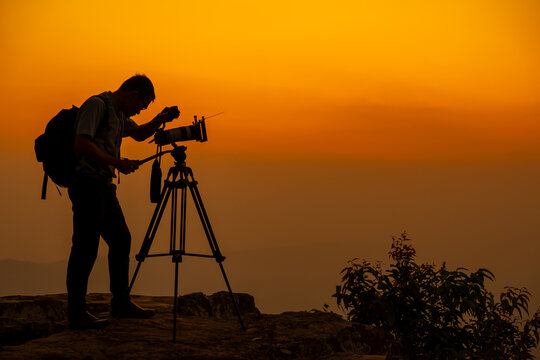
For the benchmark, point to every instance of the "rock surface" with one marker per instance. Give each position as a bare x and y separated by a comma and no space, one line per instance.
207,328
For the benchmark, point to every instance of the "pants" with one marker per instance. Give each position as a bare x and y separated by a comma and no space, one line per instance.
96,212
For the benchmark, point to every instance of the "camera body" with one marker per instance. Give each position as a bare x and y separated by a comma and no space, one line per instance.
169,114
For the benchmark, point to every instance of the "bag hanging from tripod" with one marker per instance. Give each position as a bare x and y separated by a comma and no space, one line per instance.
155,182
55,147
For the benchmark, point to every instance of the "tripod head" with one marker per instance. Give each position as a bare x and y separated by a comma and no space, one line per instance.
179,154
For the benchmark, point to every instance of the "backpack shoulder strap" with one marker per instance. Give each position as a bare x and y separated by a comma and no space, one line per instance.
105,118
44,186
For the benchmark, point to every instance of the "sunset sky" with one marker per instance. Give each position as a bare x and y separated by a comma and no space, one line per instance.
344,123
407,80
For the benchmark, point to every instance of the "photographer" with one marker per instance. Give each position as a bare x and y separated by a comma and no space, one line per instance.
101,123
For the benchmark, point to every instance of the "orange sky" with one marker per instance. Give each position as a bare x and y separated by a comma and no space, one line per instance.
393,80
345,123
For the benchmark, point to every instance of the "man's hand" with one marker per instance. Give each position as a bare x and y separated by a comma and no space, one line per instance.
126,166
167,114
144,131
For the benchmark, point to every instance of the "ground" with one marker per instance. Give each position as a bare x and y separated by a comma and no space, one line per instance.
218,335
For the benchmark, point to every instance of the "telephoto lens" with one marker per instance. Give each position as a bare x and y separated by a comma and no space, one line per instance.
196,132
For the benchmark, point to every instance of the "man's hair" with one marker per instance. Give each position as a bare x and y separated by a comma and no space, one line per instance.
140,83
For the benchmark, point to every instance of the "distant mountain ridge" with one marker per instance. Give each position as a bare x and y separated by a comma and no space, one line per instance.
29,278
272,275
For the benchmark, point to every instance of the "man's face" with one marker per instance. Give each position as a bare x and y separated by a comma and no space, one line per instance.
135,104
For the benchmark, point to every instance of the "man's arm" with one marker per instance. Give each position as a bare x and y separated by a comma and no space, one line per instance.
143,132
84,146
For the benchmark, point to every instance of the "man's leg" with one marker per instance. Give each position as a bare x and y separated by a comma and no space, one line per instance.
116,234
87,203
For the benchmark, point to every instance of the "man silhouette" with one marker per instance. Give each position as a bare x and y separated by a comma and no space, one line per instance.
101,123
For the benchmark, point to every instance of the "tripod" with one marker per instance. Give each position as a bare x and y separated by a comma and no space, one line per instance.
181,177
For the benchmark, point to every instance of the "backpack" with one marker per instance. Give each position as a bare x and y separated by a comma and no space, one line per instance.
54,148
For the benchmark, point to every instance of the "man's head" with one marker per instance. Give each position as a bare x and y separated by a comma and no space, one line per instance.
134,95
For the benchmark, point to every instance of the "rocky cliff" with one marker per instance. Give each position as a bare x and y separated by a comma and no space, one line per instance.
207,328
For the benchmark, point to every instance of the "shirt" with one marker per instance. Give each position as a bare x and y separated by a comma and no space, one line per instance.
106,132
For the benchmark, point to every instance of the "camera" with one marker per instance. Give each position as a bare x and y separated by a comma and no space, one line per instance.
169,114
196,131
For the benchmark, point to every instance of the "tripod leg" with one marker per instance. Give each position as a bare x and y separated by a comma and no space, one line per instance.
175,305
134,276
174,204
212,241
183,216
154,223
232,296
151,231
177,253
205,220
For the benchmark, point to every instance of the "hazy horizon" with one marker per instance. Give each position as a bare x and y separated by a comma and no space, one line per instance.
310,220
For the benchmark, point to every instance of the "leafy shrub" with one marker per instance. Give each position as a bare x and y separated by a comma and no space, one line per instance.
431,313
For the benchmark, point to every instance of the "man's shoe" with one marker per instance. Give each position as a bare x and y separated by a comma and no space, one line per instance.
128,309
86,321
